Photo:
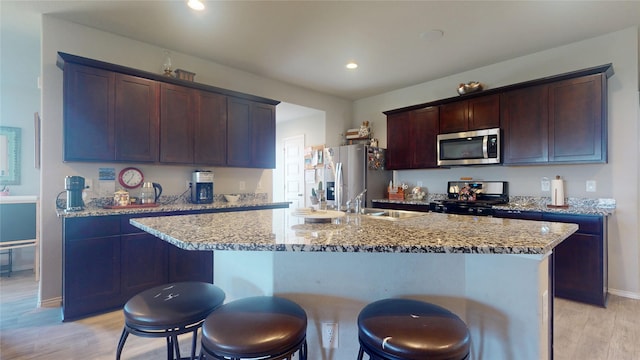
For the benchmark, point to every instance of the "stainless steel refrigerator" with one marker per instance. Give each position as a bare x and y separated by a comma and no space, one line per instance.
350,169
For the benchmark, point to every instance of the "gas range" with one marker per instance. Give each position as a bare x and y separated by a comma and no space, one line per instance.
472,197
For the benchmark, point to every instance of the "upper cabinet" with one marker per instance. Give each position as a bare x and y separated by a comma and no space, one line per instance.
558,122
411,139
555,120
251,128
473,114
114,113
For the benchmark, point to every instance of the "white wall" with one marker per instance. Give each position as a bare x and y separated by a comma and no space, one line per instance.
618,179
312,128
58,35
19,100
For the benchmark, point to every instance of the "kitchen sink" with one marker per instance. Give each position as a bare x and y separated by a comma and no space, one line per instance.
388,214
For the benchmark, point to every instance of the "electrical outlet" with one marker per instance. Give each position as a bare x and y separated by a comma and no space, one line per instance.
545,184
329,335
187,185
591,186
419,184
242,185
259,187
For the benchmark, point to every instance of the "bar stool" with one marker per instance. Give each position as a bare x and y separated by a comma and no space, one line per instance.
264,327
403,329
168,311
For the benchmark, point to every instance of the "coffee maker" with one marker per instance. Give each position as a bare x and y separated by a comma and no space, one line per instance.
74,186
202,187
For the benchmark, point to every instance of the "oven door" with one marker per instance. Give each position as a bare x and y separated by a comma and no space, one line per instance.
469,148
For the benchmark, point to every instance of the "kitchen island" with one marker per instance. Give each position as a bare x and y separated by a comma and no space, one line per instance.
494,273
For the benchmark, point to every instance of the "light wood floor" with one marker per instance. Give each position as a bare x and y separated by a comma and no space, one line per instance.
26,332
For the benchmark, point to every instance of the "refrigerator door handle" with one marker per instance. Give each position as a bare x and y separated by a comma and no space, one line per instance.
338,187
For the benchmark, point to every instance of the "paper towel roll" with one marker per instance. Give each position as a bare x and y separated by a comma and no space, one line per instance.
557,192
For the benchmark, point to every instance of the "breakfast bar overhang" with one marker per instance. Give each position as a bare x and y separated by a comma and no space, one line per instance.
496,274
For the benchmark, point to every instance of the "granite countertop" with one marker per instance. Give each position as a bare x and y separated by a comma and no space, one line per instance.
278,230
96,210
576,206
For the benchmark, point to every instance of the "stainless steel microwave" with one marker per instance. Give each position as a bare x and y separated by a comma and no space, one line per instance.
469,148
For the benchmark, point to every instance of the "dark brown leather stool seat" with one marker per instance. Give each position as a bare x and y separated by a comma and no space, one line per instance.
404,329
265,327
168,311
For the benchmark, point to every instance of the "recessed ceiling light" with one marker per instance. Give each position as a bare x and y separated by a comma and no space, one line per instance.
352,65
196,5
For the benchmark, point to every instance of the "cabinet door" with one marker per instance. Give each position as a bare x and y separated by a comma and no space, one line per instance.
577,120
263,136
525,123
238,132
136,119
190,265
176,124
91,265
88,114
210,135
144,263
398,146
484,112
454,117
424,132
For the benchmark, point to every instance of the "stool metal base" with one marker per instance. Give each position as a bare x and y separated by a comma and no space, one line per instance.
173,347
300,348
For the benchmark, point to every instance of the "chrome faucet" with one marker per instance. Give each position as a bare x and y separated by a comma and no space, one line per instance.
358,201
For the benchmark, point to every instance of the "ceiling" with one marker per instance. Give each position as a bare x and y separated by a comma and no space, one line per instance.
308,43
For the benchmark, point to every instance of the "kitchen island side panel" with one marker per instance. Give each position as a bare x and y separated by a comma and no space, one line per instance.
498,296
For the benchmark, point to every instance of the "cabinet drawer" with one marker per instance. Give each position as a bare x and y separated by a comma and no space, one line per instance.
588,224
91,227
518,214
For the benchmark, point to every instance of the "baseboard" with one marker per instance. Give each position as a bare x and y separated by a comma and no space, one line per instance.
626,294
51,303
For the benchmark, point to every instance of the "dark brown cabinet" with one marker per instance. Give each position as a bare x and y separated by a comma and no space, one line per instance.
577,120
580,261
473,114
88,114
107,261
411,139
250,130
114,113
136,119
559,122
210,129
109,116
525,125
176,124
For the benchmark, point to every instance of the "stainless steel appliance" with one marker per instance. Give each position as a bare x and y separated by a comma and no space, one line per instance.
202,187
73,186
469,148
352,169
472,197
150,193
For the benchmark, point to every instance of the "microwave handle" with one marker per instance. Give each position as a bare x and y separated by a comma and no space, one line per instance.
485,146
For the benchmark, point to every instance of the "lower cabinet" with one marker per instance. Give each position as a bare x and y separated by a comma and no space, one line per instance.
580,261
106,261
580,265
